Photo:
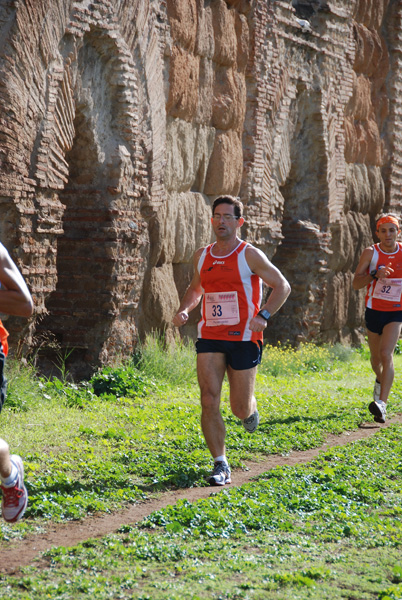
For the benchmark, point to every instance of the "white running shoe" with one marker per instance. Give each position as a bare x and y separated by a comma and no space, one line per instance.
379,410
220,475
15,498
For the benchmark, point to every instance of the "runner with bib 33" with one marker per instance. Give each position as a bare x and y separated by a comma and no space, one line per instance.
380,271
228,277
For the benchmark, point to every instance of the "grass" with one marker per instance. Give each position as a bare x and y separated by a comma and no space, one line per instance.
331,529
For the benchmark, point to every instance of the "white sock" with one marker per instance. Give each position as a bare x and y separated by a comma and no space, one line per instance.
221,459
11,480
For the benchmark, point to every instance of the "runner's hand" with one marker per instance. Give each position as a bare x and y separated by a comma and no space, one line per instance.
258,324
384,272
180,318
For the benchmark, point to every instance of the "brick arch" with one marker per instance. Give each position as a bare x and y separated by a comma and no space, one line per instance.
89,153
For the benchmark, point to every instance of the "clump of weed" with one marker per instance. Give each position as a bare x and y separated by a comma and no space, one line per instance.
122,381
23,387
392,593
170,362
285,360
74,395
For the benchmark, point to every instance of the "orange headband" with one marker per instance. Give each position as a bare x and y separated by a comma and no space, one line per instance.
388,219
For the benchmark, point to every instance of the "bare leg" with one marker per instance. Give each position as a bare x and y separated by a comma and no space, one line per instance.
374,341
5,463
242,398
211,367
381,352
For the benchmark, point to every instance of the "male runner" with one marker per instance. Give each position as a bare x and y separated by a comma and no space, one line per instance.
227,276
15,299
380,271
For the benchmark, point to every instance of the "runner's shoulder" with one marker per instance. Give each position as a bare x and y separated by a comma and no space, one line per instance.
198,252
255,255
197,255
368,252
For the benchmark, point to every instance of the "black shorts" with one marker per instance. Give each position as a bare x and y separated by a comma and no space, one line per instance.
239,355
3,381
377,319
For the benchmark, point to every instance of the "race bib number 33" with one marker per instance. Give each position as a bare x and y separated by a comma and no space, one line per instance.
221,308
388,289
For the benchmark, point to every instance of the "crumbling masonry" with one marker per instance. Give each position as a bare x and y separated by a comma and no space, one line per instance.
122,120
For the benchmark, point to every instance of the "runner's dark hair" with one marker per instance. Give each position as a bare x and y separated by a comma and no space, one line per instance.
232,200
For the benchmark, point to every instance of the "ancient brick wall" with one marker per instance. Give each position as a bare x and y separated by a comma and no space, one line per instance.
121,120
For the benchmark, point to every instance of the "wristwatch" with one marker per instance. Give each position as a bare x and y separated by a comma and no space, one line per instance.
264,314
373,273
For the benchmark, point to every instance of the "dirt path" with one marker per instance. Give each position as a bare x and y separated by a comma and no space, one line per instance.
18,554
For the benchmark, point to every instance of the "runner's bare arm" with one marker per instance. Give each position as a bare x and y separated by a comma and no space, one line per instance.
362,278
192,295
15,298
273,278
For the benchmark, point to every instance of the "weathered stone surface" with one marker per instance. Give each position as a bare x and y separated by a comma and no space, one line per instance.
229,94
225,165
160,300
121,121
223,21
190,152
184,82
183,22
205,44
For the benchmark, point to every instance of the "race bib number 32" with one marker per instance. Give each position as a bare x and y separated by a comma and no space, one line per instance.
221,308
388,289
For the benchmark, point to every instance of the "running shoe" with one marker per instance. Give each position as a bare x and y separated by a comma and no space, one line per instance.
15,498
220,475
377,391
251,423
379,410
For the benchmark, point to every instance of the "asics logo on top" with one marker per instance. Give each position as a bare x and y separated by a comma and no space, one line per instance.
218,262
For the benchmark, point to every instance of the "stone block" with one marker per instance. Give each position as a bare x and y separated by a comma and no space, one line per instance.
205,92
364,191
160,299
183,22
223,20
191,215
229,99
205,41
183,84
225,167
243,41
189,149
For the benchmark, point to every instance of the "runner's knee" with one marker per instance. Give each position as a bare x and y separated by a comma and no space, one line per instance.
210,402
386,356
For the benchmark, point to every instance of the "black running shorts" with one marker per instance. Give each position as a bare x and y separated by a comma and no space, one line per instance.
239,355
377,319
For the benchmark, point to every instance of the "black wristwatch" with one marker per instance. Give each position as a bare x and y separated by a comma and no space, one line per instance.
373,274
264,314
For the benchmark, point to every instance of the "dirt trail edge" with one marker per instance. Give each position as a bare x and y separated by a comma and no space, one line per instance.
21,553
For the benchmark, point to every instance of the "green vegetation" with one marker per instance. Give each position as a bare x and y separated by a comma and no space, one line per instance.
330,529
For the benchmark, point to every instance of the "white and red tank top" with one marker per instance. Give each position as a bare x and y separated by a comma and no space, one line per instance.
232,296
385,294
